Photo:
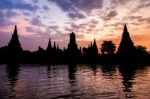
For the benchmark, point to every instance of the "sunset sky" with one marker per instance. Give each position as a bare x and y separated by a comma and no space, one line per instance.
39,20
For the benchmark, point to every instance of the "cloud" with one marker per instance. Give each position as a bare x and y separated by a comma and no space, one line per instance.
46,8
147,20
110,15
29,29
16,4
137,19
142,4
36,22
35,1
53,27
84,5
26,13
93,21
10,14
76,15
4,18
74,8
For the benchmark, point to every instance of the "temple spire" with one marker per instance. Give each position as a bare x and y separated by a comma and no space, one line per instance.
49,47
14,42
126,47
54,47
125,28
94,43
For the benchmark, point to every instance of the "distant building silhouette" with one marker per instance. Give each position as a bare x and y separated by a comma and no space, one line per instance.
72,46
126,48
94,48
13,52
127,52
91,53
72,51
14,43
49,47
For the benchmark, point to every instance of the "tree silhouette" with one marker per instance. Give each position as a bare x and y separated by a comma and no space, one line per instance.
108,47
141,49
142,55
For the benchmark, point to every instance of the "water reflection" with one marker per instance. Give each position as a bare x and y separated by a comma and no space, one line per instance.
12,74
94,68
72,68
128,73
108,70
49,71
74,81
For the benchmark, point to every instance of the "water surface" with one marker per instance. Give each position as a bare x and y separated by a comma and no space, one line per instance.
74,82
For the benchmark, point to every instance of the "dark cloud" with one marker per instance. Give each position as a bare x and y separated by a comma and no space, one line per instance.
53,27
36,22
76,15
110,15
84,5
85,27
144,5
147,19
4,18
68,29
17,4
29,29
74,8
133,17
10,14
38,32
115,26
141,4
123,1
92,26
50,30
46,8
94,21
74,26
26,13
35,1
138,19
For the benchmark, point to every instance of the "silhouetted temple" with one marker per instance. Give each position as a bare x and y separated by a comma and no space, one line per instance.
126,48
72,51
49,47
127,52
94,48
14,43
72,46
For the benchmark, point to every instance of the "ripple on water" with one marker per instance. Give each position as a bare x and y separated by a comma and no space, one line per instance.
73,81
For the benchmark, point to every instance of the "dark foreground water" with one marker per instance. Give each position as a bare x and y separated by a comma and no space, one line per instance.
74,82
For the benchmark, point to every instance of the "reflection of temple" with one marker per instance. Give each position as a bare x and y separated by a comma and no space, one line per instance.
72,70
12,74
127,73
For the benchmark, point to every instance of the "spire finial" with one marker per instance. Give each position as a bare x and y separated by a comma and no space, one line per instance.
125,28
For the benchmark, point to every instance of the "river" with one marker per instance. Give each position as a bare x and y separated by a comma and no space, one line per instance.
81,81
